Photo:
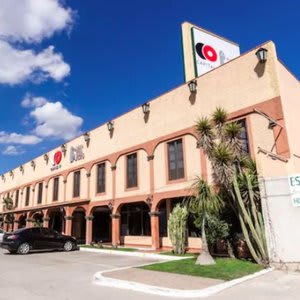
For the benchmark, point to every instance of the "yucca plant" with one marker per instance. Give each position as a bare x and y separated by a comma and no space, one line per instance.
235,174
8,203
205,204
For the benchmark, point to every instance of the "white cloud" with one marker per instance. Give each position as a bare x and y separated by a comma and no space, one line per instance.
13,150
17,138
53,120
30,101
17,66
33,20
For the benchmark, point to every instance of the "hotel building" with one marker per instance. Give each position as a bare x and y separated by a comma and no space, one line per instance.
119,182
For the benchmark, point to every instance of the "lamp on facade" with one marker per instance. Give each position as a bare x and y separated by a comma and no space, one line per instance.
149,200
63,148
46,158
110,126
110,206
86,137
193,86
146,108
261,54
32,163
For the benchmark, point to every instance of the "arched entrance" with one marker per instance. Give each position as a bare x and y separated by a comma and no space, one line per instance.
22,222
38,219
135,219
101,225
79,225
57,220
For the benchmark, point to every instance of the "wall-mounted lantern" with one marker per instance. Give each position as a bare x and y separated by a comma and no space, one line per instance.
146,108
110,126
110,206
32,163
193,86
63,148
86,137
46,158
261,55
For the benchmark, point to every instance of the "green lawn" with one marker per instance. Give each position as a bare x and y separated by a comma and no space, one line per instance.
109,248
225,268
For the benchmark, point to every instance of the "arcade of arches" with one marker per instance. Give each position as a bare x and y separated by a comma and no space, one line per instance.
134,223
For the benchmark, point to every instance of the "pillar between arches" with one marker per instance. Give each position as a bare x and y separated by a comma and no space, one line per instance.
115,229
154,215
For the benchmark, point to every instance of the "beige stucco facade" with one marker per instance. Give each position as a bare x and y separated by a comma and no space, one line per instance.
242,86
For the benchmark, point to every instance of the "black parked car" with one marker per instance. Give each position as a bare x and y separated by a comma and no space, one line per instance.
38,238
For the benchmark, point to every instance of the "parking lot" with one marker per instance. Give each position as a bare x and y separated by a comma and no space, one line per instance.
61,275
66,276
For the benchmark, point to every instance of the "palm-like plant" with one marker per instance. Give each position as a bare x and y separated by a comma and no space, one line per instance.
8,203
204,203
235,174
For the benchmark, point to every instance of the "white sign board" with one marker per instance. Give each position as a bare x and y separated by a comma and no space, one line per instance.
210,51
294,183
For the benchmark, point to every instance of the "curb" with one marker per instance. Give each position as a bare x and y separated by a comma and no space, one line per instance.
99,279
136,254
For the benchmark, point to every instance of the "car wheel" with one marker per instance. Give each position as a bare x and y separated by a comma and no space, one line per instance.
68,246
24,248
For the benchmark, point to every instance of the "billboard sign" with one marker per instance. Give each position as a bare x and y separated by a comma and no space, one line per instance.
211,51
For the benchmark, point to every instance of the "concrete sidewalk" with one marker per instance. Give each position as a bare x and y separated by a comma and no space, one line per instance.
163,279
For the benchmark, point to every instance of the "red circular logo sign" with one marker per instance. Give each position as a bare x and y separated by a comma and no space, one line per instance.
210,53
57,157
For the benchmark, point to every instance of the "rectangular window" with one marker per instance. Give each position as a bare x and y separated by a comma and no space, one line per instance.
244,136
131,170
27,196
76,186
17,198
40,193
101,178
55,188
175,160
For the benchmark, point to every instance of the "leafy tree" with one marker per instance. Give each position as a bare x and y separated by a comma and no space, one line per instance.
235,176
205,204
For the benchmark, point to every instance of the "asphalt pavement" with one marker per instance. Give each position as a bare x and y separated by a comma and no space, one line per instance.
69,276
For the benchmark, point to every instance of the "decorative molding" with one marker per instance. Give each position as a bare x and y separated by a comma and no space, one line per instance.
65,181
150,157
88,174
46,219
113,167
154,213
69,217
115,216
89,218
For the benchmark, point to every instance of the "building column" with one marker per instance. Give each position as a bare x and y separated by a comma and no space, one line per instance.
115,218
68,228
16,225
154,215
89,229
46,222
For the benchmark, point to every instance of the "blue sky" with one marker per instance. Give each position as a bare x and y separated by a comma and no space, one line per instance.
108,57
